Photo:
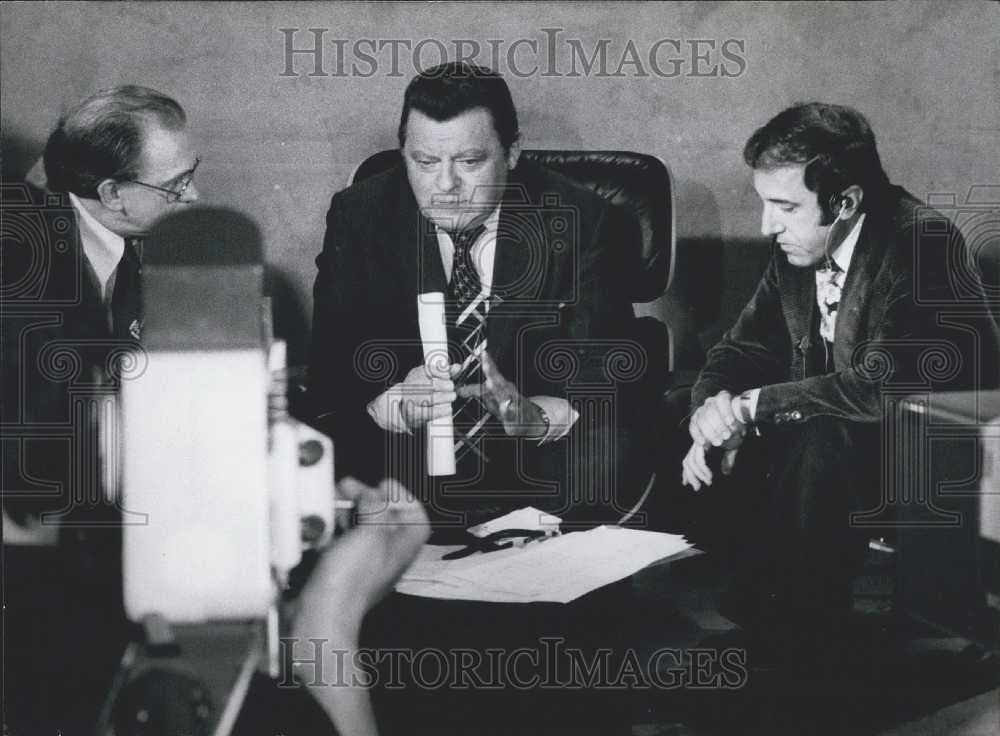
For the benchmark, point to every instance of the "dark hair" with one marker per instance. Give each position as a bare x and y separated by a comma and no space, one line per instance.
102,137
452,88
835,143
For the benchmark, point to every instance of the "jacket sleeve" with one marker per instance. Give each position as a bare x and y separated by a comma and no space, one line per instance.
755,352
337,392
922,336
855,392
925,335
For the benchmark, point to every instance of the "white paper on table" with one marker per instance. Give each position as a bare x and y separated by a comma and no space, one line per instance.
559,570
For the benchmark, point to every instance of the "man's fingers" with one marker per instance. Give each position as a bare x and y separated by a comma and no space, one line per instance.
489,367
442,384
443,398
350,488
712,424
493,379
699,466
723,404
729,460
470,391
689,479
691,474
694,429
508,410
440,410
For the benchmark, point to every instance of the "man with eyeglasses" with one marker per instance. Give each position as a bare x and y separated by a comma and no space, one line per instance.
116,163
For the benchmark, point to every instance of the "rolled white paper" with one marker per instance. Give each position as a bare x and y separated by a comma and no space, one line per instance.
434,337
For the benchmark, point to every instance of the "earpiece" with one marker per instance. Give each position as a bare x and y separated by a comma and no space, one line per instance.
839,200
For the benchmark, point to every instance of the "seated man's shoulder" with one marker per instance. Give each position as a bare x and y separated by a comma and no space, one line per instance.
910,216
377,188
922,235
544,181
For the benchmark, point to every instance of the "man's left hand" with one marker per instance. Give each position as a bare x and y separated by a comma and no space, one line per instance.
519,416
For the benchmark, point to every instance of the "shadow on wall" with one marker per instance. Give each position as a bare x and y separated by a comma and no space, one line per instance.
206,235
694,294
713,279
18,153
288,312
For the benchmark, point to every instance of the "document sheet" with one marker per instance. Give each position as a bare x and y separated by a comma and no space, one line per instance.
558,569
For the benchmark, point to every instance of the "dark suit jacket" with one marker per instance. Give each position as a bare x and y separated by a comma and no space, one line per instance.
563,319
65,621
56,346
912,318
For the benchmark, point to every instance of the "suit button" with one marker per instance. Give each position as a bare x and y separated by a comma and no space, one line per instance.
797,416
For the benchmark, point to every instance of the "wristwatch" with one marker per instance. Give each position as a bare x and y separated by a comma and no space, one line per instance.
741,407
545,420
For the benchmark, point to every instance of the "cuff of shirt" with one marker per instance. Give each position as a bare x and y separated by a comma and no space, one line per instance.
561,416
754,397
385,410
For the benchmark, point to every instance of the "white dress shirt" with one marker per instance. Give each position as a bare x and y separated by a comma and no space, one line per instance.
102,248
841,255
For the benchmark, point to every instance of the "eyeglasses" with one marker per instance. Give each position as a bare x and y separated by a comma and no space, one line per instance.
174,194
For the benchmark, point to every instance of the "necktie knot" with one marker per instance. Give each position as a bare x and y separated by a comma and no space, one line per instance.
829,266
465,284
463,240
829,284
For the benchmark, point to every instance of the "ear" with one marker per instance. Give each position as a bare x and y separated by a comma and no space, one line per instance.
513,154
110,195
853,196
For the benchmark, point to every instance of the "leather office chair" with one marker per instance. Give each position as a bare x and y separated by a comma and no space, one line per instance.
638,183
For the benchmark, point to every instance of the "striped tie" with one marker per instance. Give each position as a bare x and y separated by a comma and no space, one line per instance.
466,310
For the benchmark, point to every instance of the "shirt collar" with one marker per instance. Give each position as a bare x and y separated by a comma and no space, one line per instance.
490,225
492,221
843,253
103,248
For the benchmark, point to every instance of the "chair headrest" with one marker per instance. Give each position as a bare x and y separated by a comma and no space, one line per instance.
636,182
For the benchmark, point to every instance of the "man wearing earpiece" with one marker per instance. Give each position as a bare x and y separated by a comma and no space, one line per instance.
860,300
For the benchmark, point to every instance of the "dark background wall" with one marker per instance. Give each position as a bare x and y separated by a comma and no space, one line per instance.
926,74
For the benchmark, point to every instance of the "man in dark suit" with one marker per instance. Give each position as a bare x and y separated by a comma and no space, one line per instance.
869,296
70,262
529,257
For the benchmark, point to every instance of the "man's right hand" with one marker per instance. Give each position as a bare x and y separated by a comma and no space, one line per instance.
423,398
714,423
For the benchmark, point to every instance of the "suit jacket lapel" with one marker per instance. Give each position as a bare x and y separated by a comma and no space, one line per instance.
512,266
411,261
864,267
799,296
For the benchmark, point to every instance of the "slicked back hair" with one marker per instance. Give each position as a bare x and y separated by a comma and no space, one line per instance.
447,90
835,143
102,138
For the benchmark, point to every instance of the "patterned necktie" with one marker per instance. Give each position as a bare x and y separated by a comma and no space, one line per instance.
466,310
126,301
829,283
